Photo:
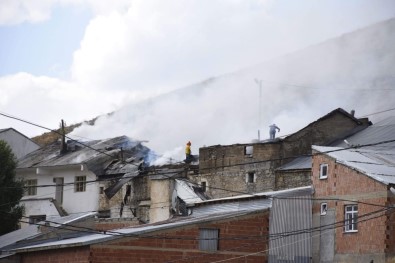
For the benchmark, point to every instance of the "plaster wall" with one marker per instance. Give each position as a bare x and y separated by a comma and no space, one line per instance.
19,144
73,202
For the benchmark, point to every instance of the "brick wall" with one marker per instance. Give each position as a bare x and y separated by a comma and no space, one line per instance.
240,240
374,236
177,244
64,255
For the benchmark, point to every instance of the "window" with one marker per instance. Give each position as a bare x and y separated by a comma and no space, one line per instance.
80,184
31,187
324,208
36,219
248,150
323,171
203,185
250,177
350,218
208,239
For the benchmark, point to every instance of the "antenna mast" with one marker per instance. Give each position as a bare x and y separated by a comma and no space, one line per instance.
259,83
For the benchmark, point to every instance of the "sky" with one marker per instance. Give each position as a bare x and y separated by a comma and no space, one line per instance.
77,59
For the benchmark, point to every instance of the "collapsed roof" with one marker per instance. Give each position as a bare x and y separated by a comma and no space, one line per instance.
97,154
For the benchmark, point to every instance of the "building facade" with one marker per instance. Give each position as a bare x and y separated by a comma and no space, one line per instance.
353,214
251,168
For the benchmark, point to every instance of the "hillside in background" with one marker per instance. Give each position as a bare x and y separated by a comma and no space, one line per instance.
353,71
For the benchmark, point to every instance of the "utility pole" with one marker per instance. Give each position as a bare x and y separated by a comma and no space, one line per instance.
63,148
259,83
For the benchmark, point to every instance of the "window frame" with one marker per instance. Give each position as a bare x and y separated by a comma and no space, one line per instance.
210,244
249,150
80,185
30,188
352,216
248,177
324,208
322,166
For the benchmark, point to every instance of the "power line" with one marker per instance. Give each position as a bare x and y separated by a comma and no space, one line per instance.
377,113
55,131
227,166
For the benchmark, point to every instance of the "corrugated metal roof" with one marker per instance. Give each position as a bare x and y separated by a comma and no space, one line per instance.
185,191
94,158
299,163
34,230
376,164
379,132
207,212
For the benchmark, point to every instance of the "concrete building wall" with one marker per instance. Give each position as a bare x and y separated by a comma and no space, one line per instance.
73,202
161,194
345,186
20,144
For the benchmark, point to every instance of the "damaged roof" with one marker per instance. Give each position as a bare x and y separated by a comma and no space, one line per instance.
97,155
189,192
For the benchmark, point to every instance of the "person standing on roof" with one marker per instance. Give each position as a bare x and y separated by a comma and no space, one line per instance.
273,129
188,152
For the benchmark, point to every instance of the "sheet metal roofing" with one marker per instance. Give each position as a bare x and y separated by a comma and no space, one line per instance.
378,165
34,230
374,135
299,163
206,212
188,192
377,133
97,157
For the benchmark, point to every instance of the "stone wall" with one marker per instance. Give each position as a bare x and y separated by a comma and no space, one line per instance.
294,178
230,170
226,169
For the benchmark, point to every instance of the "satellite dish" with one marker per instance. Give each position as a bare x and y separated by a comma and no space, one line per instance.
174,200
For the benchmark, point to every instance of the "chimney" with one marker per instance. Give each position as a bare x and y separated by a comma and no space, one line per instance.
352,113
63,145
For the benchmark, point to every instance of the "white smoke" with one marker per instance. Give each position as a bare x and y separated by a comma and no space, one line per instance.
350,72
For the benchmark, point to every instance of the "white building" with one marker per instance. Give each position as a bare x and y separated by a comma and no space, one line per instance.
67,183
19,143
